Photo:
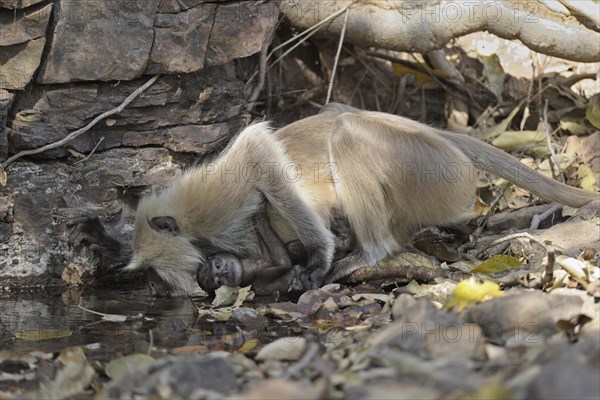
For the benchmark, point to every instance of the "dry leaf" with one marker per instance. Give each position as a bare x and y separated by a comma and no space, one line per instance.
120,366
34,335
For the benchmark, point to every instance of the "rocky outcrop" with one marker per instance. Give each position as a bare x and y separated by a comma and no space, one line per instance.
63,63
100,41
22,40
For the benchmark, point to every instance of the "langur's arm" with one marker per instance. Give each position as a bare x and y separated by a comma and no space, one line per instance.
274,254
257,146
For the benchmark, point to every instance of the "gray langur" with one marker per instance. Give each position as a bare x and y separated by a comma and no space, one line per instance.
387,175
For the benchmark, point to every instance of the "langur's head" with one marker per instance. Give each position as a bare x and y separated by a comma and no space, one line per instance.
162,248
221,269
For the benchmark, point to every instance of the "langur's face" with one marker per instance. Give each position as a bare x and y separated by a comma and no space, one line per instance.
165,252
221,269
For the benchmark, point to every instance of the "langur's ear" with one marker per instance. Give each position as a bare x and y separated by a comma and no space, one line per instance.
165,224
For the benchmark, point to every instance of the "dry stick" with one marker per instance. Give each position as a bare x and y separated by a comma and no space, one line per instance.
549,143
316,26
521,235
86,128
483,223
548,280
288,51
337,57
151,342
308,32
403,273
262,73
91,152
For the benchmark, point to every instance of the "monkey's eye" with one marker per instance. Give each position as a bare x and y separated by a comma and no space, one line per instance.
217,264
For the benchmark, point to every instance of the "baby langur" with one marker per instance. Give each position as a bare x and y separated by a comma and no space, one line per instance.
274,270
268,273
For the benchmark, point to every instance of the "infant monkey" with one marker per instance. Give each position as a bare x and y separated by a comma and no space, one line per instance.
274,270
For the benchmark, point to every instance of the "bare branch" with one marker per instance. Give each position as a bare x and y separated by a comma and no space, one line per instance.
86,128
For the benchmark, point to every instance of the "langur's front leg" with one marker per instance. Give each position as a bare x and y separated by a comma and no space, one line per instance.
288,199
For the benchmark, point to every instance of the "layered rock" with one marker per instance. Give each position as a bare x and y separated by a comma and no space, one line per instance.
56,78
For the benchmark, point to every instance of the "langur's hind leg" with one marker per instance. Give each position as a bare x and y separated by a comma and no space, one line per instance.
361,164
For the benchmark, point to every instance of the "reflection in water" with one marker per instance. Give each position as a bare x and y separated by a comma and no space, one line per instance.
45,322
49,323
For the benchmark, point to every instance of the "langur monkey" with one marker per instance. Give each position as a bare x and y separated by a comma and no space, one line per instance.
387,174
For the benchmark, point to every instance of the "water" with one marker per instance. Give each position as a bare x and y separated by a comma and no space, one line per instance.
49,322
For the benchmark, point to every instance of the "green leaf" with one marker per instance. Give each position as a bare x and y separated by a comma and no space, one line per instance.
530,142
498,263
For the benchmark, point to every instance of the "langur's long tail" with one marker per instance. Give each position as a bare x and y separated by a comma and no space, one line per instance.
496,161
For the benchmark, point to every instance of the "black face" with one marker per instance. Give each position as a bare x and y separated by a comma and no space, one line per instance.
225,270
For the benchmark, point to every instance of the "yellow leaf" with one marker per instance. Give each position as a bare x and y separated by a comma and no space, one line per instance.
422,73
592,113
190,348
498,263
248,345
34,335
492,390
232,296
574,127
587,176
469,292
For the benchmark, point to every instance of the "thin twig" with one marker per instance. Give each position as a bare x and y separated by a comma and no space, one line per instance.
308,32
288,51
316,26
262,73
483,223
549,143
151,342
86,128
91,152
520,235
337,56
549,276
